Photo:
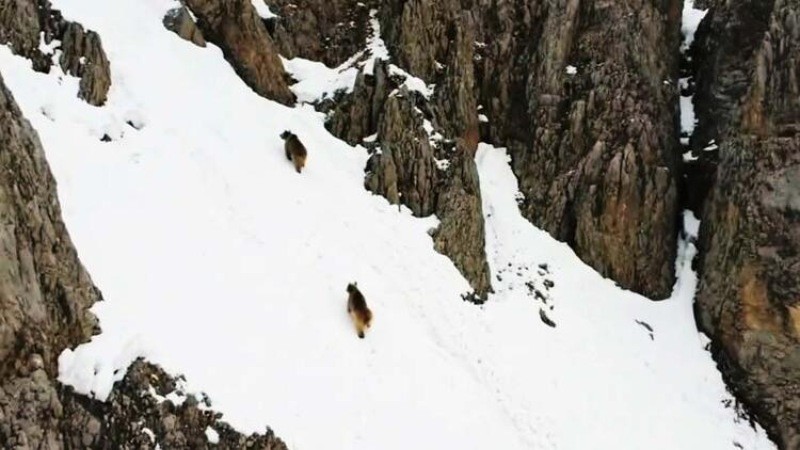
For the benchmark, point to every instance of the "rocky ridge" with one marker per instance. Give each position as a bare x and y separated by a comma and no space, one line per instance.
33,29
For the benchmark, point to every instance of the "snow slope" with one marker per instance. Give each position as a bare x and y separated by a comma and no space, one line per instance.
218,261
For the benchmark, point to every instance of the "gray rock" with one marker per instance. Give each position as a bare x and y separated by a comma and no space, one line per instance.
328,31
83,56
180,22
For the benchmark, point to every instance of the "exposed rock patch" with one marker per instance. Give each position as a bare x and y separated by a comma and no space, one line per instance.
39,413
22,22
594,148
330,31
180,21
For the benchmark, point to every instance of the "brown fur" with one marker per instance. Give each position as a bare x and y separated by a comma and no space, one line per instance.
295,150
358,310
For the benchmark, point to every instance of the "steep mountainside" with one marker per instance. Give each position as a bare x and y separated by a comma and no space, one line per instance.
474,122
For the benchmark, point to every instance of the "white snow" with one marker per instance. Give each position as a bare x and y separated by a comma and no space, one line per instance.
688,120
434,136
149,434
690,20
411,82
262,9
482,118
175,397
47,48
376,48
316,81
688,157
218,261
572,70
212,435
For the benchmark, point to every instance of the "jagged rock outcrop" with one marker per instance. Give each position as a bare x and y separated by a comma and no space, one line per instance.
405,171
179,21
331,31
747,56
234,26
45,295
424,160
38,413
20,25
22,22
416,167
83,56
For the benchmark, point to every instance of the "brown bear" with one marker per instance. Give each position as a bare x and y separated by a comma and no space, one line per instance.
358,310
295,150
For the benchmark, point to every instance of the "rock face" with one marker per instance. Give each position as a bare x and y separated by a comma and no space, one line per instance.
22,22
45,295
748,103
46,292
594,150
594,144
330,31
234,26
39,413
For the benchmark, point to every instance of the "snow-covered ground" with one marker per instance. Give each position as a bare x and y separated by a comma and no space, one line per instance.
220,262
690,20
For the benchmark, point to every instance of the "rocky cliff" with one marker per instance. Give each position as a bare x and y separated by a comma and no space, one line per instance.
583,108
747,57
